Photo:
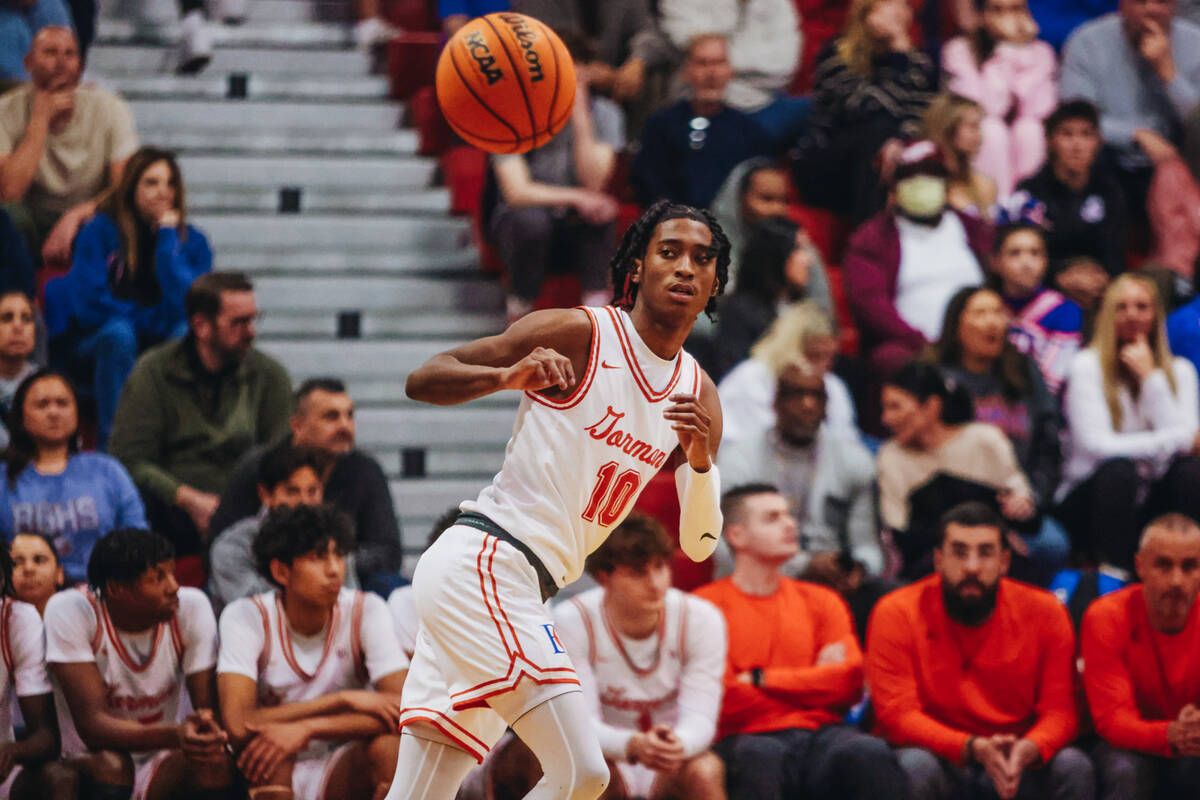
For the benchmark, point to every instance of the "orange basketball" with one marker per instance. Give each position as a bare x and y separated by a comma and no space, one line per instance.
506,83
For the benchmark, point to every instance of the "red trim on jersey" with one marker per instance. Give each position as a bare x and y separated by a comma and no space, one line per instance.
6,637
587,627
493,541
459,735
638,376
95,604
496,597
481,700
176,637
696,380
616,639
119,646
356,646
285,639
581,389
264,655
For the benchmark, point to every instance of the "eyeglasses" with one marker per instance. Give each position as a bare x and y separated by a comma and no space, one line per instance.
699,132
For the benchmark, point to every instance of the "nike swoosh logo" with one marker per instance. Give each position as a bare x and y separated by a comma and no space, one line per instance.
607,365
709,535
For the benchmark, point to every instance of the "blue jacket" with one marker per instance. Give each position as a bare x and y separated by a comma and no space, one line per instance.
177,264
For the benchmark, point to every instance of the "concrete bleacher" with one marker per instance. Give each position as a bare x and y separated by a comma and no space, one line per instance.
298,167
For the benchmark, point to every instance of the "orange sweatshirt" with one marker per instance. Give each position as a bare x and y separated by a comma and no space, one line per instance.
1137,679
782,634
934,682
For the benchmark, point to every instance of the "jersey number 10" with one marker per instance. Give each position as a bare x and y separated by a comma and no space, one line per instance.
612,494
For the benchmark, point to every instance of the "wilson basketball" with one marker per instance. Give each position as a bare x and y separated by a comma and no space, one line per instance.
506,83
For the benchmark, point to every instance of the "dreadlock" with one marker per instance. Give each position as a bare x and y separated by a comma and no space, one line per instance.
637,241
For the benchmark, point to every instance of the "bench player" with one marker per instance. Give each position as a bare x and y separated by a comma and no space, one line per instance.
609,398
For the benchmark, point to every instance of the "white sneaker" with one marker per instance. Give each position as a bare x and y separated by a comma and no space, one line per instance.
373,32
231,12
196,44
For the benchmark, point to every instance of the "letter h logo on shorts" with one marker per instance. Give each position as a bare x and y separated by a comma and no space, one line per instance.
554,642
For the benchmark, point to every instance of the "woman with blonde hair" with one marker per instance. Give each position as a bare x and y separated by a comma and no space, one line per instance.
1133,412
801,332
952,122
872,87
133,264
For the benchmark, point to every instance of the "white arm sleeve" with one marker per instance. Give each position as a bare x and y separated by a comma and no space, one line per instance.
700,688
699,510
380,646
198,627
569,626
70,626
242,639
28,651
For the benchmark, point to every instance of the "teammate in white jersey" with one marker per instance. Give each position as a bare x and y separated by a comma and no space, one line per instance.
297,665
609,398
120,653
23,674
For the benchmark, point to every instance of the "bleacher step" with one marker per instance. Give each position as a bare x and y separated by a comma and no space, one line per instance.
355,261
213,85
219,197
396,174
351,359
269,115
432,426
257,34
292,141
430,498
116,59
402,232
377,325
390,294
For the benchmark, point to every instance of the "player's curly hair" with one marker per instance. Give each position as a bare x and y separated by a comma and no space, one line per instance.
288,533
637,241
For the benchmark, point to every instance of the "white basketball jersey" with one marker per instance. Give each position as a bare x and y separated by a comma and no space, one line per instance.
574,466
635,694
146,692
24,666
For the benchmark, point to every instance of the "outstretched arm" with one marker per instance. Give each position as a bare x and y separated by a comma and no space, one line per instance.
544,351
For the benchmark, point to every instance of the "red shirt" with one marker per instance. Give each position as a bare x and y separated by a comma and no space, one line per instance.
935,682
1137,678
782,634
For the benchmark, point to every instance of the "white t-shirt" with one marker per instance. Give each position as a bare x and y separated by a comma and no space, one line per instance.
142,672
934,264
23,668
672,677
404,617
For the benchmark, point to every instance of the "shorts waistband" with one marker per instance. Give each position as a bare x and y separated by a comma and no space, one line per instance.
480,522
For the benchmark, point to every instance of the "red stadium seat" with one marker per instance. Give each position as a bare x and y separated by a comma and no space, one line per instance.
412,62
413,15
660,500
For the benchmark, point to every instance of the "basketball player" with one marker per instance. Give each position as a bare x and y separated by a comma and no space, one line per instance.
120,653
294,664
609,398
23,673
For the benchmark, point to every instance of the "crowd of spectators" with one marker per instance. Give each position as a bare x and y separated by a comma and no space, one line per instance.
957,354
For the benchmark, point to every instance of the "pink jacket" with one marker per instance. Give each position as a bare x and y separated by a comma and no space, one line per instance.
1025,74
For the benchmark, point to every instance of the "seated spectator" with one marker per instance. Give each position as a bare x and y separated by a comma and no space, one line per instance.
764,52
781,268
287,476
650,660
1133,414
132,265
1141,69
31,772
756,190
1080,204
1042,324
193,406
300,721
972,675
62,146
17,343
51,488
937,459
1006,390
904,264
121,727
356,484
688,149
1012,75
794,670
37,572
19,23
953,123
871,89
1183,331
827,477
801,332
553,206
1141,669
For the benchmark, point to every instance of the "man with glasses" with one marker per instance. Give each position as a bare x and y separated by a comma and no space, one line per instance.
690,148
193,406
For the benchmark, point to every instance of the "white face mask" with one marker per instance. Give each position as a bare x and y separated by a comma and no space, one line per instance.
921,196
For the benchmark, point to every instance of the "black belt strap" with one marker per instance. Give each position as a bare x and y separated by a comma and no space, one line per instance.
481,523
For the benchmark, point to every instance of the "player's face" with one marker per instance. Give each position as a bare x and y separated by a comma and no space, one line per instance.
325,421
1169,566
769,532
156,592
36,573
317,576
678,274
303,487
640,589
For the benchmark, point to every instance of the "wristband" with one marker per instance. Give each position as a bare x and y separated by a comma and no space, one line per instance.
756,677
